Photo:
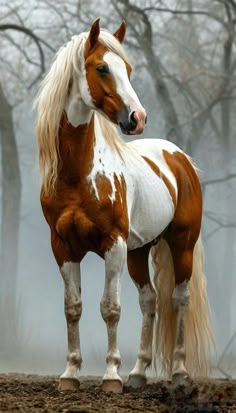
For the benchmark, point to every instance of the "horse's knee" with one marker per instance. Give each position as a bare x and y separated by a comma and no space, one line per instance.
110,311
73,310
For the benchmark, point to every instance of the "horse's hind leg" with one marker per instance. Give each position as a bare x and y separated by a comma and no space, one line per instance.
70,271
182,246
139,272
182,236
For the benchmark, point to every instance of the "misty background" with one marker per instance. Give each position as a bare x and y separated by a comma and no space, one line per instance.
184,72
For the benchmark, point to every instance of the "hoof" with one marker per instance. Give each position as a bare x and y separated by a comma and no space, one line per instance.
68,383
180,378
114,386
136,381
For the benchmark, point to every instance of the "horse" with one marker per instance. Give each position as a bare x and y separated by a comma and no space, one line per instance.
121,201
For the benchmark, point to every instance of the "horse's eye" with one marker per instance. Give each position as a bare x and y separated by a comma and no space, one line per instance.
102,70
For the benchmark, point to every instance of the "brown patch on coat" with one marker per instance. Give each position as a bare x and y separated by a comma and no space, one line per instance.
186,224
80,222
166,181
137,261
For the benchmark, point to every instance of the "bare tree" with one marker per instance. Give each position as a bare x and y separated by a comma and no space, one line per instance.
11,194
10,219
187,52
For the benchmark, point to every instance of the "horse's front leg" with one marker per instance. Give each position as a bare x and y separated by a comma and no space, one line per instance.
110,309
73,308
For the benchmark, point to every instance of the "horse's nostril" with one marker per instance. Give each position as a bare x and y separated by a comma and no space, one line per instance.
133,121
132,116
146,120
128,120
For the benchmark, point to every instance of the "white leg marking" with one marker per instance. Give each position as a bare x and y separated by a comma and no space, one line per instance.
147,301
180,300
73,308
110,304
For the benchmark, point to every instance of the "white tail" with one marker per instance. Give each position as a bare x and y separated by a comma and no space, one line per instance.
199,338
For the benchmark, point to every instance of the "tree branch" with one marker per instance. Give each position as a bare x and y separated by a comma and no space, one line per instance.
37,41
21,50
185,12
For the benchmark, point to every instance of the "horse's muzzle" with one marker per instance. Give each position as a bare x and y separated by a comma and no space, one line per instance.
132,122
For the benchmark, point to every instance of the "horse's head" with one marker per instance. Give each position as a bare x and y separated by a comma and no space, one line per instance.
108,80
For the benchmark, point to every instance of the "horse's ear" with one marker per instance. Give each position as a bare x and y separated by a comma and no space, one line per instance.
120,33
94,33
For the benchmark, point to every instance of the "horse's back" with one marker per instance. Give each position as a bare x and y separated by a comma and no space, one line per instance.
169,162
152,145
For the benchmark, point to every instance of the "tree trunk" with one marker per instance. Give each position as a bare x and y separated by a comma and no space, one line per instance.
173,130
11,194
228,271
145,39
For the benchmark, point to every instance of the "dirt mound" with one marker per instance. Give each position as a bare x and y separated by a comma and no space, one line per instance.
40,394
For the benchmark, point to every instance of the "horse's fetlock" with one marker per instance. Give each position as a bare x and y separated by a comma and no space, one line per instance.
75,359
146,359
179,354
113,358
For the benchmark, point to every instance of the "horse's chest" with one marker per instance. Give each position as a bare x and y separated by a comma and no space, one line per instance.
86,221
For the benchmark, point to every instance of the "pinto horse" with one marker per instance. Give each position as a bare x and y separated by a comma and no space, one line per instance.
121,201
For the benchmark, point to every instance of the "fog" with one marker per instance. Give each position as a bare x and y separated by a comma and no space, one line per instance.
39,343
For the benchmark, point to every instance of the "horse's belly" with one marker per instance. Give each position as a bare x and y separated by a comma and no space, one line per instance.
151,212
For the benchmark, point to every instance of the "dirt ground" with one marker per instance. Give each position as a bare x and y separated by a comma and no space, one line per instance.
38,394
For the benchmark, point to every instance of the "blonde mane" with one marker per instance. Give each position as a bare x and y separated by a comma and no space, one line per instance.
111,134
51,100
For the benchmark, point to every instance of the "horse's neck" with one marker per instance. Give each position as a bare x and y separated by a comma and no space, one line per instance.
80,147
77,136
76,147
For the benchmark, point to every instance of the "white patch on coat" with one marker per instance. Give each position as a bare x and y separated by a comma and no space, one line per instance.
106,162
115,259
123,87
154,152
150,205
71,273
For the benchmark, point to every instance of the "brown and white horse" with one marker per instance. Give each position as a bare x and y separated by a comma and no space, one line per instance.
120,201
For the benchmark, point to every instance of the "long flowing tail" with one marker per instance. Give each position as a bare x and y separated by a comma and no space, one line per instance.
199,338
